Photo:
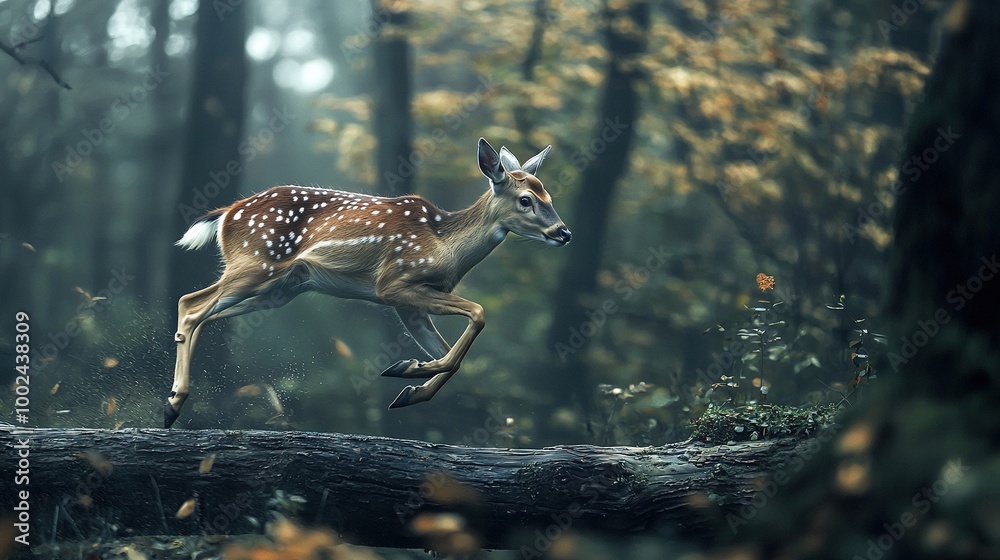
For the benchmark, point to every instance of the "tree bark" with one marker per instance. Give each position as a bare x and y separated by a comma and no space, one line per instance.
613,133
370,488
392,117
211,172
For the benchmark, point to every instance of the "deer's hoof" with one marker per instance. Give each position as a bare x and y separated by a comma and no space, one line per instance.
169,416
399,369
405,398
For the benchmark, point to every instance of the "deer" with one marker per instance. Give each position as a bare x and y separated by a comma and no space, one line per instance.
402,252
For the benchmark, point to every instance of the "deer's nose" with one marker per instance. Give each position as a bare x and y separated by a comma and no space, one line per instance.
564,234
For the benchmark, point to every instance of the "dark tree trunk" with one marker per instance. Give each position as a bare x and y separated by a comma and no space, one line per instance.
914,475
370,488
524,114
152,241
611,143
211,168
392,117
392,125
214,131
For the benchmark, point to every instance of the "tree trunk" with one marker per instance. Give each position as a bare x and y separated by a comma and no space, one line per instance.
211,168
392,125
392,117
914,475
152,245
610,144
370,488
215,126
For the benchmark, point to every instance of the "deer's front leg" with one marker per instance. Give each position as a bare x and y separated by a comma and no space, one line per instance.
424,333
428,300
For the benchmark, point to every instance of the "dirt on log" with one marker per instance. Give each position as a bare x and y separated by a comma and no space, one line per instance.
87,482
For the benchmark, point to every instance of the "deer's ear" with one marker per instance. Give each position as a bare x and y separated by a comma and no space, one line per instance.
532,165
489,164
508,160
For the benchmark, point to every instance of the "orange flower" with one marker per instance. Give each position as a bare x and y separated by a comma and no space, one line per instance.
765,282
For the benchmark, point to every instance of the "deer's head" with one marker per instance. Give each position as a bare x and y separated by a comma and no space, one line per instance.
519,197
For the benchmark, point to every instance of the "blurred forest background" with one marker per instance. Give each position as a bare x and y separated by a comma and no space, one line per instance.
697,143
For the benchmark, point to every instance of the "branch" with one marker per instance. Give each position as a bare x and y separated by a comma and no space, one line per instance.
42,63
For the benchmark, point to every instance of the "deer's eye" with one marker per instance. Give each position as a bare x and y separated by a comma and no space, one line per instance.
524,201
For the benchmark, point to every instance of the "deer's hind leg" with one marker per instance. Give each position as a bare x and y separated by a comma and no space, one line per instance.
193,310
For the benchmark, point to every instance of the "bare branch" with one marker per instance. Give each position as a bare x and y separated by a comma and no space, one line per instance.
41,63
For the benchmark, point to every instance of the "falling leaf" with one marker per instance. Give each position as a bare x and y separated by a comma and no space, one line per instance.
186,509
853,477
272,396
29,247
55,388
110,362
110,405
206,464
97,461
91,300
343,349
248,391
119,424
431,523
84,500
858,439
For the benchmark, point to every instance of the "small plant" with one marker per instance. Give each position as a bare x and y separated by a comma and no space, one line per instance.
756,342
864,371
618,398
644,414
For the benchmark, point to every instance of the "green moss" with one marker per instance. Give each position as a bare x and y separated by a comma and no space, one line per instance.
765,421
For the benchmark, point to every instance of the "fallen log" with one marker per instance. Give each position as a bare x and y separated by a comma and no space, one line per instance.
90,482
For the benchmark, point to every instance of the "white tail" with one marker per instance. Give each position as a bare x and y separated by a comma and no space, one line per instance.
200,233
403,252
